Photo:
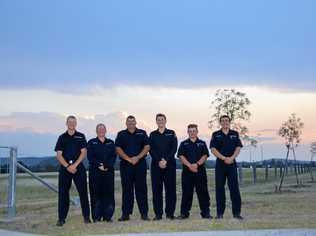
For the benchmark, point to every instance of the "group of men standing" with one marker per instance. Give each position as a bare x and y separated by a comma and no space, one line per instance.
132,145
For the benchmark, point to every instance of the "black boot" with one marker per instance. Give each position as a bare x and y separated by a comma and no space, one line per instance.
182,217
238,217
124,218
60,223
157,218
170,217
145,218
87,220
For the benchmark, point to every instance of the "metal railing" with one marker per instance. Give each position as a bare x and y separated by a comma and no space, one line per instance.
11,206
12,172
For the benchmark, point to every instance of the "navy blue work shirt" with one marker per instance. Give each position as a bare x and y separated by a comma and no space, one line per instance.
163,145
193,151
101,153
71,145
132,143
225,144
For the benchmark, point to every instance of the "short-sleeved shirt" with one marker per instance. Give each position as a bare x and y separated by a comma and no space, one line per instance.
193,151
225,144
101,153
71,145
163,145
132,143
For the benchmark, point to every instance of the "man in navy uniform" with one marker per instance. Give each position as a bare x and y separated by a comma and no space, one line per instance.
163,147
193,153
132,145
225,146
101,156
71,151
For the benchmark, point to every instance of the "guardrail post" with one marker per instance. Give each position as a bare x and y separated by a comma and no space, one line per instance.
12,182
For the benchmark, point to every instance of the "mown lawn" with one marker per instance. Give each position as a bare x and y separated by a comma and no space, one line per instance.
262,208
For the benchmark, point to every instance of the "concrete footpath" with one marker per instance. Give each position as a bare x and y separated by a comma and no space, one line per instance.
273,232
281,232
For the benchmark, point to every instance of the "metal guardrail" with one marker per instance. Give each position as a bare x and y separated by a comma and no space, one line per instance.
13,165
11,208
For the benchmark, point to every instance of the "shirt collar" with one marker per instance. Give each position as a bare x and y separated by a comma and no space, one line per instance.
229,132
99,141
162,132
196,141
127,131
75,133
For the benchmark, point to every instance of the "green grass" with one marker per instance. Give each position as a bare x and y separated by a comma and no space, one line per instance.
262,208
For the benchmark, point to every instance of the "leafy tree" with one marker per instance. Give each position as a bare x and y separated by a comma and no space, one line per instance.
234,104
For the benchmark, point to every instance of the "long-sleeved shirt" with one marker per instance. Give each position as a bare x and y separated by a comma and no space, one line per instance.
101,153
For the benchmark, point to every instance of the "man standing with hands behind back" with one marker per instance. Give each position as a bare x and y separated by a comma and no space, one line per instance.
225,146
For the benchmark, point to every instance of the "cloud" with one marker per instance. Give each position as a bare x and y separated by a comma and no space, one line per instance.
54,123
36,133
84,79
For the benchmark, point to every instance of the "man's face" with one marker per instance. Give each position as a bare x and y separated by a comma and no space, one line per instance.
225,123
101,131
161,122
131,124
193,132
71,124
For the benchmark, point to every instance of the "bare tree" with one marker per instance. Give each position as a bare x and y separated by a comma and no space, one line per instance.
234,104
291,131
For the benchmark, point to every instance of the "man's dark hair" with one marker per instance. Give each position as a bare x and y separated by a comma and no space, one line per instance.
192,126
161,115
224,116
130,117
70,117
